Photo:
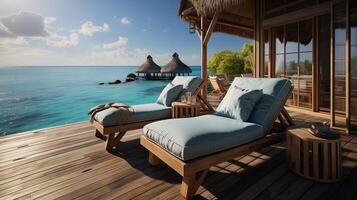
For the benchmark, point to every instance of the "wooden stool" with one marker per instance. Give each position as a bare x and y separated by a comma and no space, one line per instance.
181,110
313,157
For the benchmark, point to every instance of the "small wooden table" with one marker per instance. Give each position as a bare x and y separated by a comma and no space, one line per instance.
313,157
181,110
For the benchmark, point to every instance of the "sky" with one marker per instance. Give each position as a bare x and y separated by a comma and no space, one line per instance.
99,33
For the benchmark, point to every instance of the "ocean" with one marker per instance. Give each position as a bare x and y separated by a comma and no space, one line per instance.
38,97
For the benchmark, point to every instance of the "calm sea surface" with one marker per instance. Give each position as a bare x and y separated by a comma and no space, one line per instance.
39,97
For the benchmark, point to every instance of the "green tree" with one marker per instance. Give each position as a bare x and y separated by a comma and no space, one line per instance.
247,53
216,60
232,62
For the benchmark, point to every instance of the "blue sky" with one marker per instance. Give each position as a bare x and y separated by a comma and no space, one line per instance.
98,32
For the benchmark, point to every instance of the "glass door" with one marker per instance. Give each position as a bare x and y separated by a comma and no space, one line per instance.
339,72
324,62
293,60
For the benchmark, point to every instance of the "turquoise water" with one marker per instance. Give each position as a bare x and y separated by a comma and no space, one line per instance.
39,97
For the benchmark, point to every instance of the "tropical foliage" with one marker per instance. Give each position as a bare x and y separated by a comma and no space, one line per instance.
232,62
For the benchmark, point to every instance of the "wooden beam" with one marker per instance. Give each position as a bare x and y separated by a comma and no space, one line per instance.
298,15
238,26
204,73
211,28
199,34
258,41
222,23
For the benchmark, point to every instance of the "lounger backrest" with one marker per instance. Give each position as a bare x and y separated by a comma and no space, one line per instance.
190,83
216,84
275,92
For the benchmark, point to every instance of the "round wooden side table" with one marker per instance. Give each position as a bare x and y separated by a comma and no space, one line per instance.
181,110
312,157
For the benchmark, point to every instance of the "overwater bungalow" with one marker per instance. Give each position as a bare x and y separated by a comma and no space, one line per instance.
175,67
149,69
312,43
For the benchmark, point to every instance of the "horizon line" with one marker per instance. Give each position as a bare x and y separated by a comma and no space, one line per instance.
80,66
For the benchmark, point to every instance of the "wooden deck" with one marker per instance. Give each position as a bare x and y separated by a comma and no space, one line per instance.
68,162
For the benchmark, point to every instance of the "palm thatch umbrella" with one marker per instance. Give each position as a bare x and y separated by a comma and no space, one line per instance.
176,66
148,67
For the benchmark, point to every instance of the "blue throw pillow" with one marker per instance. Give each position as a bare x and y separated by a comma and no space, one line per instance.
239,103
169,94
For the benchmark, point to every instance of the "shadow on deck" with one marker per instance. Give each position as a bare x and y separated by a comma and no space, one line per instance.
68,162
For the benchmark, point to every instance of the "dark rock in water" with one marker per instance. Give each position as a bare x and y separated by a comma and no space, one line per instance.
101,83
115,82
129,80
131,75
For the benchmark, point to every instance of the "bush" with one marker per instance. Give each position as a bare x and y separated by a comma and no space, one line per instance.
232,62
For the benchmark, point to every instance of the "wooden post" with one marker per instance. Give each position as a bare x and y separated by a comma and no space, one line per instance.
204,73
210,28
348,68
205,35
332,68
258,46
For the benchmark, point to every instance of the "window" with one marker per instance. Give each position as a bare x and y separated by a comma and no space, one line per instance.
266,54
339,86
293,60
324,62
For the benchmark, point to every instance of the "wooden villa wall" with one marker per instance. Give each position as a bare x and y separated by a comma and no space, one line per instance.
275,13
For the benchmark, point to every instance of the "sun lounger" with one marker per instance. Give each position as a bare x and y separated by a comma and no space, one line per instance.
111,127
218,86
191,146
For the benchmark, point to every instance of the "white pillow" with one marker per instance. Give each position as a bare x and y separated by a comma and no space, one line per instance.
169,94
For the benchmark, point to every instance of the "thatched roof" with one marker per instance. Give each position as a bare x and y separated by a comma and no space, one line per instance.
175,66
149,66
236,16
208,7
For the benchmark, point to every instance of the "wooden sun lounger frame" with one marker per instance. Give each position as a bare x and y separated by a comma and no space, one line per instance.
194,171
113,134
218,87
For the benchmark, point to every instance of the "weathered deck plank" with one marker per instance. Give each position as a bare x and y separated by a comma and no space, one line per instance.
68,162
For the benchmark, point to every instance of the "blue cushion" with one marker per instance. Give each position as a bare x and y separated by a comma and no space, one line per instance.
239,103
275,91
143,112
189,138
169,94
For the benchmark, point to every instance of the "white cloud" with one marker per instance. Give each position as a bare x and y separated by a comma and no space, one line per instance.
142,51
88,28
13,41
18,29
50,20
144,30
121,41
125,20
11,56
24,24
62,41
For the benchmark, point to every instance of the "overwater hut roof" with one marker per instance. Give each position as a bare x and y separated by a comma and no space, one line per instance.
149,66
235,16
176,66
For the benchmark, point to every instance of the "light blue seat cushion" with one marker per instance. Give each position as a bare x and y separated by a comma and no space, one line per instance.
143,112
238,103
275,91
169,94
189,138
